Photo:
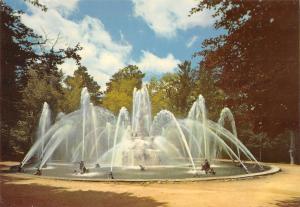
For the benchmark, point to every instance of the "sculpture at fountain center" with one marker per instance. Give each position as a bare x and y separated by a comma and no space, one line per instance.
140,151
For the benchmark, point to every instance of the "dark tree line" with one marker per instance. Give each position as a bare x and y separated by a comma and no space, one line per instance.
30,75
17,53
256,63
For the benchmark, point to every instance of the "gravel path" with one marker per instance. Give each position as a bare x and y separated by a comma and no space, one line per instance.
281,190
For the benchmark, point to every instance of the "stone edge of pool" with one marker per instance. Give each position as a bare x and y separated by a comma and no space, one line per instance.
273,169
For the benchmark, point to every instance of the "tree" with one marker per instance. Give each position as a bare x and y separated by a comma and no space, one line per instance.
129,72
257,60
173,90
17,53
205,85
22,52
74,85
41,87
160,91
120,88
37,4
185,83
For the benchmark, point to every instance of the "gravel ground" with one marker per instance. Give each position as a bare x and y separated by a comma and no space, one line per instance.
281,190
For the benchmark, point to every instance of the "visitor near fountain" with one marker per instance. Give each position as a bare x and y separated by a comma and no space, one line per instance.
142,168
82,168
20,168
38,172
110,175
81,165
206,167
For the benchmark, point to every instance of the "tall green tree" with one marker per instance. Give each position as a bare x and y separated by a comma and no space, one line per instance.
74,85
120,88
22,52
17,53
129,72
41,87
205,84
185,83
173,90
160,91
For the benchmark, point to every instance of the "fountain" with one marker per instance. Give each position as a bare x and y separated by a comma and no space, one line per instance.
137,146
44,125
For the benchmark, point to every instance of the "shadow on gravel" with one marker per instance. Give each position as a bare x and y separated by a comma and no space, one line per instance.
34,195
290,203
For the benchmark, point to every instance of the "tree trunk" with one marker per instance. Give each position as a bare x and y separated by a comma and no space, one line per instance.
292,148
297,147
260,149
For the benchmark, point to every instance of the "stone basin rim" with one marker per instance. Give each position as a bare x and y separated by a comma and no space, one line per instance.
273,169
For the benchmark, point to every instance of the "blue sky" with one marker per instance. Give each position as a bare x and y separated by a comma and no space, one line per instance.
156,35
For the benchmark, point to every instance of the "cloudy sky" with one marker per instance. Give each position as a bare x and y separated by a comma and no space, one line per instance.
156,35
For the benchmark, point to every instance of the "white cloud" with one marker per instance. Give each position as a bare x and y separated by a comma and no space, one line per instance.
165,17
69,66
54,4
64,6
101,55
152,63
191,41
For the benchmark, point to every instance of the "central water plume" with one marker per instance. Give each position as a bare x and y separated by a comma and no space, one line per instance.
141,112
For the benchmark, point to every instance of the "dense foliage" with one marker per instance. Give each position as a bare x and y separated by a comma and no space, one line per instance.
30,76
120,88
72,90
257,62
16,54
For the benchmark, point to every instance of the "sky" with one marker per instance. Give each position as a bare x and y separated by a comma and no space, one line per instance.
155,35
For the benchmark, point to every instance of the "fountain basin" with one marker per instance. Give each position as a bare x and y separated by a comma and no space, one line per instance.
224,171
